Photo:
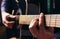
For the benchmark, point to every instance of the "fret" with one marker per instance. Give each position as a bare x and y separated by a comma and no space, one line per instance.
52,20
55,20
58,21
47,20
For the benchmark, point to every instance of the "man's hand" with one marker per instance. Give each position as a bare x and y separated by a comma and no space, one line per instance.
42,32
7,23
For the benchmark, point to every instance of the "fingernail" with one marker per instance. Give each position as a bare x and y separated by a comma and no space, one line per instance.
41,15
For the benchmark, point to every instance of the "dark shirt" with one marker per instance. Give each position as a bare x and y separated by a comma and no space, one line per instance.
9,5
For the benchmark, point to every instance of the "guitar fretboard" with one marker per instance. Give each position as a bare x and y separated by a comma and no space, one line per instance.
51,20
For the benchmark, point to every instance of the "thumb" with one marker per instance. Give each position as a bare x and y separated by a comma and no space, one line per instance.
11,16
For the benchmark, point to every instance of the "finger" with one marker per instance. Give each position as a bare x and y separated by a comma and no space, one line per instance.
51,29
5,23
8,24
11,16
32,27
33,22
41,21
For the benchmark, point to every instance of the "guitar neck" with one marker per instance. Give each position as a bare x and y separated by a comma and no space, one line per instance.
51,20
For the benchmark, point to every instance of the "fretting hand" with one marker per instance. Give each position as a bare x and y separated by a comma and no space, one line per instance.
42,32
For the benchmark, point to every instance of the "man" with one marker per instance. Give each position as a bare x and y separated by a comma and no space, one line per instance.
6,10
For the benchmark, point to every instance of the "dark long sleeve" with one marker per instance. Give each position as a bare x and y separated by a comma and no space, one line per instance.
6,6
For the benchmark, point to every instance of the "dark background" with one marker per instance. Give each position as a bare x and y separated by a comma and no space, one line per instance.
43,5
